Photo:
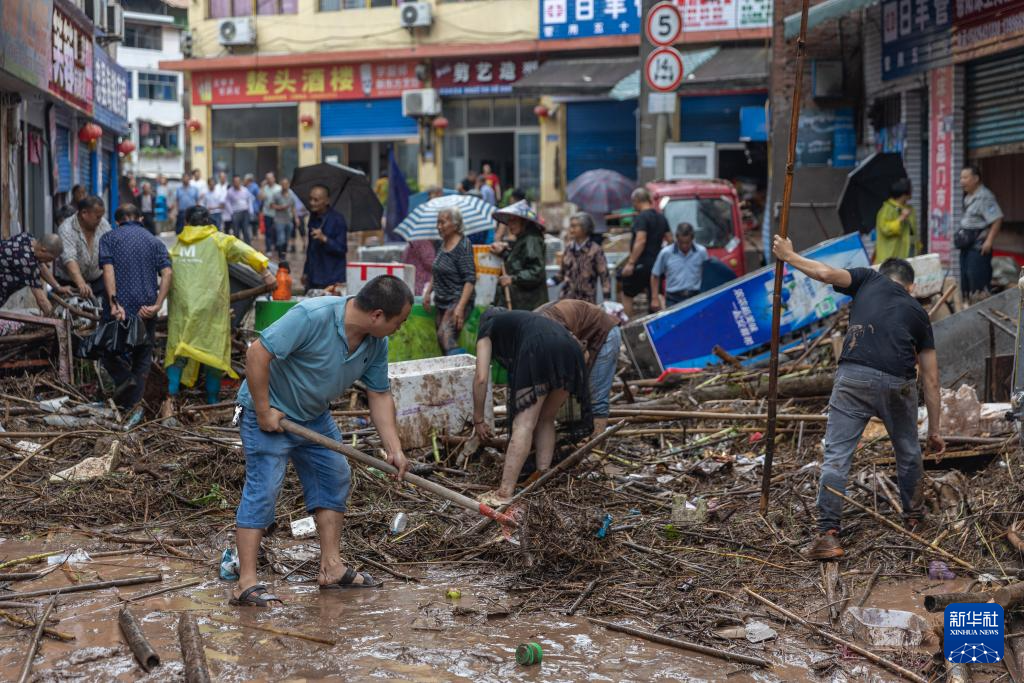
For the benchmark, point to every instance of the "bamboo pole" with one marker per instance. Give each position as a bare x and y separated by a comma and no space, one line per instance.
906,532
131,630
15,619
193,653
82,587
867,654
681,644
787,195
26,668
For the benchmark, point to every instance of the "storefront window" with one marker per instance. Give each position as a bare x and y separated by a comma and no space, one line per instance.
155,139
277,6
505,112
455,112
528,163
255,123
526,115
479,115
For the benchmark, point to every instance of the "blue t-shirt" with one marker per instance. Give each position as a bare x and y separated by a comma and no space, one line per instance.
186,197
312,365
137,257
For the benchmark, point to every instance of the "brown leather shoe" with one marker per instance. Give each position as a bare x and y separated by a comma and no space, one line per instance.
825,547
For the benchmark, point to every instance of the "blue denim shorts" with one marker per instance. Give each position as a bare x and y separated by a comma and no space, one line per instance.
325,475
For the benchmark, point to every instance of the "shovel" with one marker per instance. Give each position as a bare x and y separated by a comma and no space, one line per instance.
501,518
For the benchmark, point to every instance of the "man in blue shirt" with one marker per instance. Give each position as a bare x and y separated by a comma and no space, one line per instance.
185,197
132,259
301,363
682,264
326,256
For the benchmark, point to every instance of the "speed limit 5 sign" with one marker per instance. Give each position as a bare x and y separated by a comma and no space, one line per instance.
664,24
664,69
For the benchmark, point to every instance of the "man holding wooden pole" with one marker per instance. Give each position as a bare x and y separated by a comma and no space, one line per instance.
888,338
298,366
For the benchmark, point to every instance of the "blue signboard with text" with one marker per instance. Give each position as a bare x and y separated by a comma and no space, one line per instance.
111,83
737,316
560,19
915,36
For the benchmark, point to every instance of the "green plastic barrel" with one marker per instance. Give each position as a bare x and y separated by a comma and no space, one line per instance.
269,312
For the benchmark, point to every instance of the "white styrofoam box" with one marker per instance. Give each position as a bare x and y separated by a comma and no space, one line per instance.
304,528
385,253
488,270
434,394
928,275
358,273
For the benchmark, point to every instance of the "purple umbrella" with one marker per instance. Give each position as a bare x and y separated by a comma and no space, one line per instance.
601,191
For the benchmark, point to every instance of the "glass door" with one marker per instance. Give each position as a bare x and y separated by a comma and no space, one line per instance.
454,161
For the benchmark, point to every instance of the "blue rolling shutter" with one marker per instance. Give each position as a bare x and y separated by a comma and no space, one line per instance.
85,167
714,118
995,101
64,180
367,119
601,135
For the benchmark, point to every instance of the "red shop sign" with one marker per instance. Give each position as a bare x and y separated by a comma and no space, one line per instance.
71,61
299,83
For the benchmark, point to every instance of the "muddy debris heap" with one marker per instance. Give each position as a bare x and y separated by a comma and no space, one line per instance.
652,530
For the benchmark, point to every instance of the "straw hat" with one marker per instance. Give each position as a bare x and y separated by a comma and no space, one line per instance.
522,210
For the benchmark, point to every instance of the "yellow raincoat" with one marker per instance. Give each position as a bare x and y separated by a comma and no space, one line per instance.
199,308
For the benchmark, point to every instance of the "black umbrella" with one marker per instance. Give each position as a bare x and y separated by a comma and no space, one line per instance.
350,193
867,188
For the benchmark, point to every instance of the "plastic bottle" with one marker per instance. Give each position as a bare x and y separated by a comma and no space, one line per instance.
398,524
529,654
284,283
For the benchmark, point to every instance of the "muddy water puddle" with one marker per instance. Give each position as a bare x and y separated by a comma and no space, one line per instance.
402,632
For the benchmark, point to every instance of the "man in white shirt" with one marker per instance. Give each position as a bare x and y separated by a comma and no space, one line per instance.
682,264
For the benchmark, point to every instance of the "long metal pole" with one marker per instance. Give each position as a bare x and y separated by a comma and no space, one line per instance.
787,193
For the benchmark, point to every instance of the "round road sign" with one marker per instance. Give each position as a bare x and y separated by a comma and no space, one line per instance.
664,23
664,69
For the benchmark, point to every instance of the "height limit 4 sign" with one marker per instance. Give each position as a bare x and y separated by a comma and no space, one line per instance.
664,24
664,69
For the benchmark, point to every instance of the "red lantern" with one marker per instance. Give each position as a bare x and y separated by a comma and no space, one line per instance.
440,124
541,112
307,120
126,147
194,125
89,134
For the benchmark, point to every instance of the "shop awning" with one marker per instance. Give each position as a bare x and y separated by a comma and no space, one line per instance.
830,9
576,76
730,68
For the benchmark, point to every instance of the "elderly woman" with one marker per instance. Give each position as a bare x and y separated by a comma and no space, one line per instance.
583,263
453,277
524,279
545,365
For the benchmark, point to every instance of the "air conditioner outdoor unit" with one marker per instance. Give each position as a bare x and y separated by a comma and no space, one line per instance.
423,102
115,19
237,31
415,14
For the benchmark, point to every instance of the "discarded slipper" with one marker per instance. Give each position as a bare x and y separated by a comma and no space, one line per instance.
255,596
492,499
346,581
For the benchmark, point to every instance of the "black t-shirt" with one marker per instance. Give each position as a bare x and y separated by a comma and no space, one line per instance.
655,225
888,328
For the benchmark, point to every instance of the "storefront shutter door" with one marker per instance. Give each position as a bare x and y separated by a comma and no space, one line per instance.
64,180
995,101
366,119
714,118
85,167
601,135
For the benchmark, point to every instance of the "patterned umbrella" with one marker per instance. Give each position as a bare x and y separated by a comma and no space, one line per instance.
421,223
600,191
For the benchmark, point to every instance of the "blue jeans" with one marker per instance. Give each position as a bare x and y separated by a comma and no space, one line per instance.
858,394
603,373
325,475
281,233
241,227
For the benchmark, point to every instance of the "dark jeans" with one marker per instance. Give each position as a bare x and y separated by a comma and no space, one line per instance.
134,363
858,394
241,226
975,271
179,222
147,221
673,298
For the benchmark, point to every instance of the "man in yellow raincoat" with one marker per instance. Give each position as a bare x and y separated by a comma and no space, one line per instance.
199,313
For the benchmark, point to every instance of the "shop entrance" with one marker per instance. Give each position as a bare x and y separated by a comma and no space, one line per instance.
496,149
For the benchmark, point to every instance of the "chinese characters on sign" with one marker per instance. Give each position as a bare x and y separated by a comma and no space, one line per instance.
71,62
915,35
587,18
292,84
973,633
110,88
25,39
940,161
561,19
979,22
483,76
